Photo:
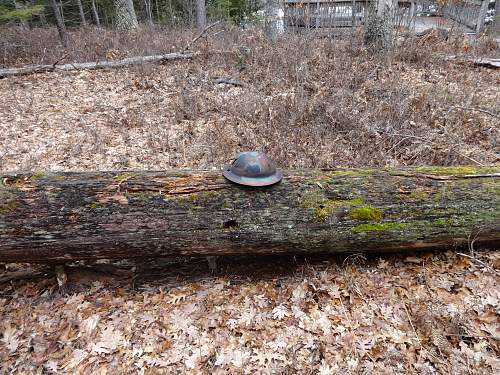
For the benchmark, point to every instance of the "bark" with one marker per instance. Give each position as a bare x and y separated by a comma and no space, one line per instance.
379,29
147,5
32,69
496,21
125,17
59,217
61,29
481,61
201,14
82,12
95,14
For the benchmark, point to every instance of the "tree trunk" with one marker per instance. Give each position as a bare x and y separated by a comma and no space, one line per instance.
58,217
379,27
201,14
32,69
125,17
496,21
61,10
95,14
59,20
82,13
149,11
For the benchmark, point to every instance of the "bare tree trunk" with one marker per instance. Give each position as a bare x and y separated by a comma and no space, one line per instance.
496,21
380,26
201,14
81,11
61,10
172,18
60,217
147,5
125,17
95,13
59,20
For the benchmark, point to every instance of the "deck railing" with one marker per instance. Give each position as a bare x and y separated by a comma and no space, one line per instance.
351,13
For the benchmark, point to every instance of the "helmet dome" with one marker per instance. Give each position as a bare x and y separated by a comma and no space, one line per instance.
252,168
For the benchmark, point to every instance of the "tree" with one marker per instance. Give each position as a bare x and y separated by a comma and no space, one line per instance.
61,29
95,14
496,21
81,11
201,14
125,17
379,26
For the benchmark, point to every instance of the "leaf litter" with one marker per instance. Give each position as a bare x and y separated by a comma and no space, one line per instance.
424,314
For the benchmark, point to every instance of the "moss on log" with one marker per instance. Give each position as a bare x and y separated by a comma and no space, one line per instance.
57,217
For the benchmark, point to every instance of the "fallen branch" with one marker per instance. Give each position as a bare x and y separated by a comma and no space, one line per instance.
477,110
483,61
138,60
487,63
203,32
60,217
231,82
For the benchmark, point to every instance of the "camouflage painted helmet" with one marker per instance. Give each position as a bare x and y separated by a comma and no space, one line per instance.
252,168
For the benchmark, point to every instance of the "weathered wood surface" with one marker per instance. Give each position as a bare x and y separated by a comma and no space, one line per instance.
138,60
56,217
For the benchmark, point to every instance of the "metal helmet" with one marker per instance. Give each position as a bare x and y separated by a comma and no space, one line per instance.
252,168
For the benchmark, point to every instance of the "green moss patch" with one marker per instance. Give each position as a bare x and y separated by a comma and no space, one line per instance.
457,170
123,177
93,205
325,207
366,213
325,210
7,207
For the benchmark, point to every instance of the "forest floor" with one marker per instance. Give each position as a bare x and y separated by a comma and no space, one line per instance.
307,101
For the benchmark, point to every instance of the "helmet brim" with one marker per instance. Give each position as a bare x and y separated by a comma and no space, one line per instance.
252,181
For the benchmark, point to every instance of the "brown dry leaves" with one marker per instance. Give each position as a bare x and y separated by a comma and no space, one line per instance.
424,314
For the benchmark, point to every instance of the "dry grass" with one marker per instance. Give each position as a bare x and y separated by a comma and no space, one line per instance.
308,101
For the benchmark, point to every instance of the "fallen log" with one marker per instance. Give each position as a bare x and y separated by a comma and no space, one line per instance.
32,69
482,61
58,217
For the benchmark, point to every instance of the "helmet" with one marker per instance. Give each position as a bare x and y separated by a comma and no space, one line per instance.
252,168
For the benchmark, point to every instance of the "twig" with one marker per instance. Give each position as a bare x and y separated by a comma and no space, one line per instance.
477,110
231,82
480,262
412,326
60,59
472,336
201,34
